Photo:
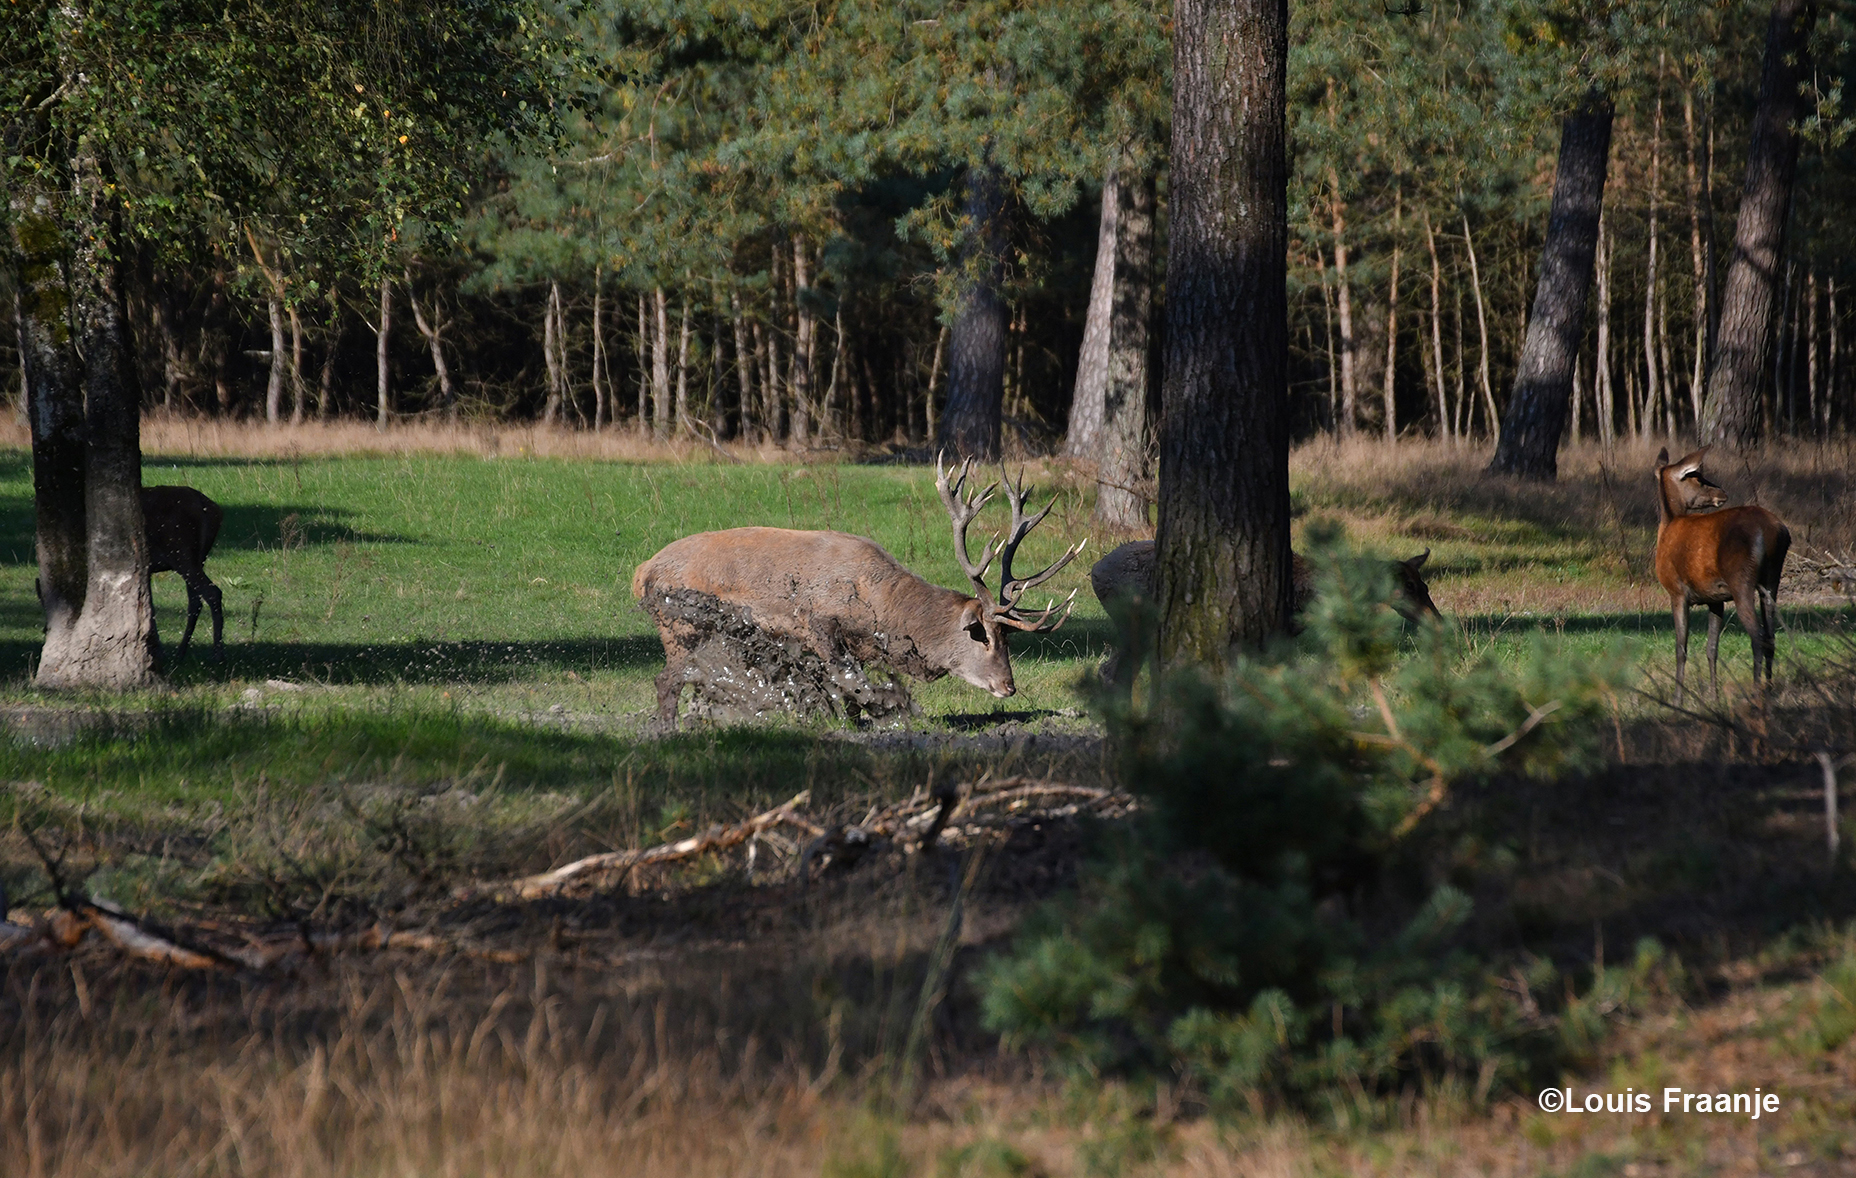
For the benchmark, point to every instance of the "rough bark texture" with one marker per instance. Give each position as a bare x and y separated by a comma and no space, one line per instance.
112,644
1536,417
976,346
1224,438
1121,471
660,368
1082,438
1750,302
383,352
54,406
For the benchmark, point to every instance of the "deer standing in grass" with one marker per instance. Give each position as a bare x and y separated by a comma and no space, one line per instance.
182,524
843,596
1709,557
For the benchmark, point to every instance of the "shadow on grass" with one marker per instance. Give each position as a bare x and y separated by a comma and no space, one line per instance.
1805,619
246,526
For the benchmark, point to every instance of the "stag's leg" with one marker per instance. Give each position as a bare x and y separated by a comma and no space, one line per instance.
1681,615
1717,618
1746,604
154,631
200,588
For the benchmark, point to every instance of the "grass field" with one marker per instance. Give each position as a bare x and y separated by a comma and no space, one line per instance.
436,673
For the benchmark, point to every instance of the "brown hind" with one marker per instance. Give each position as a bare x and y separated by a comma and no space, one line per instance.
1710,557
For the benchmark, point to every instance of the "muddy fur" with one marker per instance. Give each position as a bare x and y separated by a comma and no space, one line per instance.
738,671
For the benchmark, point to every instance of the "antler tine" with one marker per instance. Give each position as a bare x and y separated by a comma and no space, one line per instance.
962,510
1042,620
1012,588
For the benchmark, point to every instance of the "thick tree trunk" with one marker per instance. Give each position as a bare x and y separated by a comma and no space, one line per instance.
383,392
54,406
1223,550
1121,470
977,346
1530,436
1749,305
1082,437
111,646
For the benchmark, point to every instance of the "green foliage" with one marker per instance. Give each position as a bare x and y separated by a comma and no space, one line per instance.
1268,929
1832,1019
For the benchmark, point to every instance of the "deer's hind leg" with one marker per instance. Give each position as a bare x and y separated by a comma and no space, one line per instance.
200,588
1717,617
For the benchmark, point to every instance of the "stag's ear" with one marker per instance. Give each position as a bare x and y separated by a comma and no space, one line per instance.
1662,458
1417,562
973,621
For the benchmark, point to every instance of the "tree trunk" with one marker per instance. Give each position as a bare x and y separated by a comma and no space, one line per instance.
1348,420
551,354
1655,374
1530,435
660,367
433,330
1223,551
53,381
1437,331
805,331
331,350
1082,438
1391,386
684,429
744,372
602,412
274,385
382,354
929,412
1121,471
1749,305
977,346
644,368
299,391
1698,257
1482,329
1604,398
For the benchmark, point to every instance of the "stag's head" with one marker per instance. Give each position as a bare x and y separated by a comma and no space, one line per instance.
984,660
1682,486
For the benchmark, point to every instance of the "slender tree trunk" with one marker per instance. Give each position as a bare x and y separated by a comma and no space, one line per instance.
1578,395
1343,290
299,391
1223,551
684,429
1810,381
1083,436
601,410
976,367
1821,419
433,329
1444,429
274,384
1749,304
382,356
1462,366
804,332
167,322
660,368
1121,470
331,351
1327,321
644,369
929,411
1482,325
551,354
1391,388
1530,434
1654,375
1697,381
744,372
1604,398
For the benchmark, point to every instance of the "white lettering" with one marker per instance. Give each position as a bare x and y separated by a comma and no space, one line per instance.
1669,1097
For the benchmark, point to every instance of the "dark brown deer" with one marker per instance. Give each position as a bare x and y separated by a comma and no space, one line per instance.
1124,581
1706,556
847,601
182,525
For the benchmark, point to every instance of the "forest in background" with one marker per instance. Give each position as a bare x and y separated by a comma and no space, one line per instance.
753,222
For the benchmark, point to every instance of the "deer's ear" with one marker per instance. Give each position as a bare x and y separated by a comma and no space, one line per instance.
1662,457
1417,562
1694,458
973,620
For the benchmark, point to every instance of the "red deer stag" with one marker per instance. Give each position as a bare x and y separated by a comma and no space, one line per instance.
764,618
1124,580
1709,557
182,525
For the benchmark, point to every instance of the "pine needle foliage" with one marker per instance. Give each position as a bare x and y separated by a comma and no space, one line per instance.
1272,929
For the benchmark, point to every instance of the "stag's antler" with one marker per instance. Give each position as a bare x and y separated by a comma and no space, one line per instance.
1012,589
962,509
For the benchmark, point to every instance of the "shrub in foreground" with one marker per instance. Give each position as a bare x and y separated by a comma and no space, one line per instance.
1273,928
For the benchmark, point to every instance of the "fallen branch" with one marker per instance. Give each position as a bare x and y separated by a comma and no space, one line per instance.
714,839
